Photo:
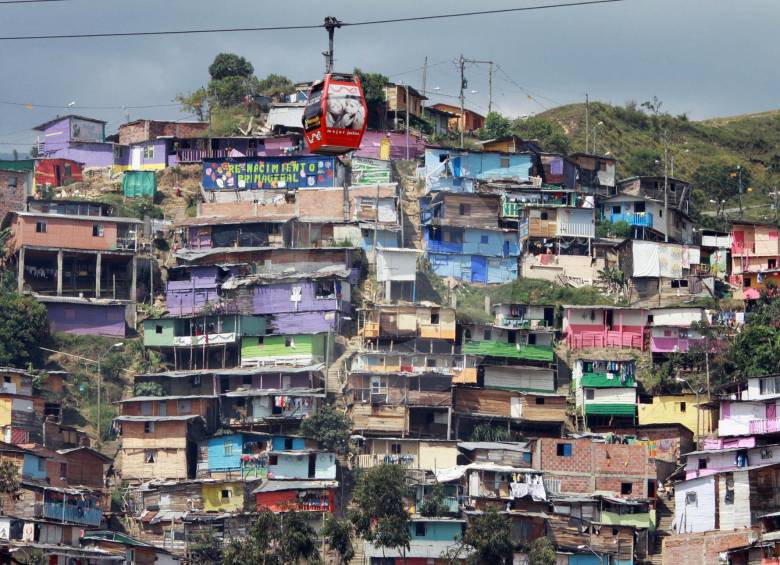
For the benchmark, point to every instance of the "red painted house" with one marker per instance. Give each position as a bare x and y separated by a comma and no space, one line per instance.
57,172
302,496
604,326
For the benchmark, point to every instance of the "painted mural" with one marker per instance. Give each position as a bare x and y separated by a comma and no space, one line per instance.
268,172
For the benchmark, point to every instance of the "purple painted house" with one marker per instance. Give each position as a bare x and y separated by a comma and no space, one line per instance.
304,303
191,288
372,142
78,138
81,317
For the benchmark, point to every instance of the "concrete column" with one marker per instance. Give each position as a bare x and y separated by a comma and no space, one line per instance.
60,257
98,273
20,273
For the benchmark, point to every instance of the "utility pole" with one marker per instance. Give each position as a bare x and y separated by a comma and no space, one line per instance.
490,88
587,110
407,130
739,180
425,77
666,192
461,64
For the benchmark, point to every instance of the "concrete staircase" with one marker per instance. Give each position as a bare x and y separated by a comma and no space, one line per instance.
411,190
337,374
664,515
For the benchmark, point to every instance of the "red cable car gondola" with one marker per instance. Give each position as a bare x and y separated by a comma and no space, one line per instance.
334,120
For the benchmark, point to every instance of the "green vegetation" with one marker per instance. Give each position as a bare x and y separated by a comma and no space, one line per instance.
274,539
23,328
331,428
542,552
149,389
338,537
489,432
490,535
9,481
205,548
379,514
434,504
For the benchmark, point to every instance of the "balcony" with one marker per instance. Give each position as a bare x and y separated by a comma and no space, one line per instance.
642,219
770,426
673,344
204,339
366,461
71,513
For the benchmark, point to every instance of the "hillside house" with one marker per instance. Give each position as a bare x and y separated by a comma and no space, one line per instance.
604,326
56,173
462,368
678,408
439,119
678,192
458,170
755,255
498,343
756,413
605,391
16,186
137,131
595,173
85,467
466,121
386,322
463,238
430,539
396,270
589,465
413,453
205,232
709,461
516,454
120,545
255,455
536,413
191,288
77,138
674,329
159,447
80,261
204,406
648,218
313,495
414,404
403,101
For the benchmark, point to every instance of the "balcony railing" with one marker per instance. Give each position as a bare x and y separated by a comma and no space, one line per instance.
643,219
366,461
765,426
72,513
204,339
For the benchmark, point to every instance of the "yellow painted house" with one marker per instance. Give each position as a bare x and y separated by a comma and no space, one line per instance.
678,409
223,496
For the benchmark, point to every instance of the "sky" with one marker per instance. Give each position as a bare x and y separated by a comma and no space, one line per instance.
705,58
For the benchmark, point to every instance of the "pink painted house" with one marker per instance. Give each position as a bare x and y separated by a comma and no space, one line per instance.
604,326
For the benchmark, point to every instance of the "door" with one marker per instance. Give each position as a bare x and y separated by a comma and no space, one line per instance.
135,158
57,175
479,269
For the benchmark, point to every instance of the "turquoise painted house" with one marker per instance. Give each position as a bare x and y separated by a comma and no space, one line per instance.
437,529
34,467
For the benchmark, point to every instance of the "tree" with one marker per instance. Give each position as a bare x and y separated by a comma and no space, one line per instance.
490,534
331,429
23,327
9,482
496,125
379,514
643,162
433,504
756,351
720,181
653,105
230,65
548,133
297,539
542,552
373,87
274,83
613,280
195,102
338,536
205,548
274,539
231,91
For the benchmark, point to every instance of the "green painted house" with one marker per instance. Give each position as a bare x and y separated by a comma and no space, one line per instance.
297,349
606,391
521,344
201,330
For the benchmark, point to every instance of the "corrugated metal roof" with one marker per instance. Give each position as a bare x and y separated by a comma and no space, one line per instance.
506,446
278,485
156,418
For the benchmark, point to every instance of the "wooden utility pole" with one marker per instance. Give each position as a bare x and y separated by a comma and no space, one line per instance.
462,120
587,110
424,77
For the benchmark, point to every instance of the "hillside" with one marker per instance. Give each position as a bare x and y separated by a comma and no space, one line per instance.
635,138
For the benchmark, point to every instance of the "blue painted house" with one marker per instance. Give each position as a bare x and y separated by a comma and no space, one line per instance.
463,238
457,170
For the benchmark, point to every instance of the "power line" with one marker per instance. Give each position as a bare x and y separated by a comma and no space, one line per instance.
300,27
28,1
31,105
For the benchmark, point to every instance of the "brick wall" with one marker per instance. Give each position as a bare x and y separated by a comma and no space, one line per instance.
703,548
12,198
145,130
595,466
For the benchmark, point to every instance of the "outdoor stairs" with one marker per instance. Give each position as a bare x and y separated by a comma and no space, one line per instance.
411,190
664,515
336,374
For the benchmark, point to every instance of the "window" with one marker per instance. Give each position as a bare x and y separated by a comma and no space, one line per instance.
563,450
434,317
702,463
149,152
325,289
97,230
430,363
691,499
746,282
626,488
683,406
151,456
148,427
771,264
158,329
40,227
12,182
545,216
225,493
504,162
288,443
395,448
639,207
661,213
729,496
590,394
260,340
228,449
185,406
464,209
41,464
273,459
540,400
146,409
419,529
487,335
63,469
616,209
484,239
68,170
246,380
289,342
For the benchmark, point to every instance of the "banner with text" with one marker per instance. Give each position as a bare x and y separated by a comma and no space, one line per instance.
252,173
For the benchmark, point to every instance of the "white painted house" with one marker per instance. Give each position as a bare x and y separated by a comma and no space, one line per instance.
397,268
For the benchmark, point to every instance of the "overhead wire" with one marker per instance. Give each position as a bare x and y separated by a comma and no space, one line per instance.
301,27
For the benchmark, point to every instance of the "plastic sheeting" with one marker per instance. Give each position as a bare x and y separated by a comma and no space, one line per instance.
139,183
666,260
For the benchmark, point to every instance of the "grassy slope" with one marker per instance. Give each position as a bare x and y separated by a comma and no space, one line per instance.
750,140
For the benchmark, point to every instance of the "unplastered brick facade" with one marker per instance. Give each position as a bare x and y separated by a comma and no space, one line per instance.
145,130
14,189
585,466
704,548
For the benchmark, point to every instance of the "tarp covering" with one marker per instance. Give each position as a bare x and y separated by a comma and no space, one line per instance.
139,183
666,260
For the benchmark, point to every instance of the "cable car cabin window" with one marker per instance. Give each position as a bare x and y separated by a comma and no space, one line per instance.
312,115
